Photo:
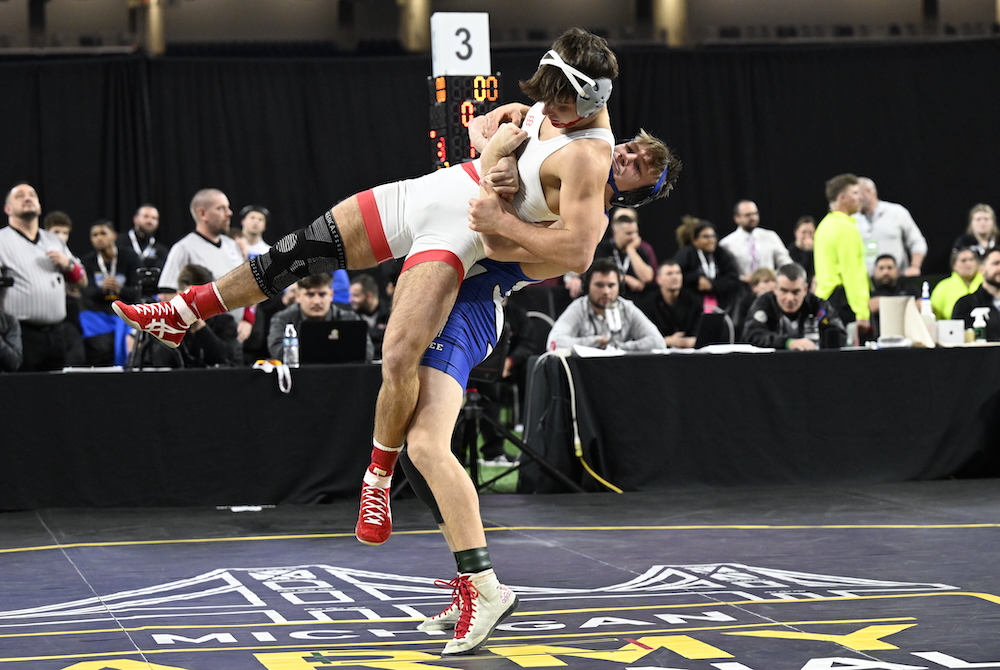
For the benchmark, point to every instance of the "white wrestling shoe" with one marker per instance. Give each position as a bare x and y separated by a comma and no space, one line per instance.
484,603
448,617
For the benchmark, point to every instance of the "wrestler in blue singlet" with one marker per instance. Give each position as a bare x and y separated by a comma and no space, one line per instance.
476,321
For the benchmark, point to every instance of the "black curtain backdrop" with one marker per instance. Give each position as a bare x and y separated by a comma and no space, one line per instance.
783,418
99,136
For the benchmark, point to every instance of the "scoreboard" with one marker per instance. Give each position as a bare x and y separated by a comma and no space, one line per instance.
454,101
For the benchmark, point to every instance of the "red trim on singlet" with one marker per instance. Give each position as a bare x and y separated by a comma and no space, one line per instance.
471,169
448,257
373,226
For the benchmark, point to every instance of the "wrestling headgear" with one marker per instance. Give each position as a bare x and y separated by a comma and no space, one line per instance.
591,94
640,196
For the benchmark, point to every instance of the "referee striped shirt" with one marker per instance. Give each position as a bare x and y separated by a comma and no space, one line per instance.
219,257
38,295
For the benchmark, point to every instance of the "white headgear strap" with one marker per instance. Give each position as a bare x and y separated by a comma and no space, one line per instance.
591,94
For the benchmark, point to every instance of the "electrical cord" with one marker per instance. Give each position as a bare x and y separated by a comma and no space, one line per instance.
577,442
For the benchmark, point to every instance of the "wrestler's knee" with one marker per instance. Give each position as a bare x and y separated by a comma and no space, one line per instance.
428,453
404,346
417,446
401,360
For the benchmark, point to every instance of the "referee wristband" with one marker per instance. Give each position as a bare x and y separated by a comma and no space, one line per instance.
74,273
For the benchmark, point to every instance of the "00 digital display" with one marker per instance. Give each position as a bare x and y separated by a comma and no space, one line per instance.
454,101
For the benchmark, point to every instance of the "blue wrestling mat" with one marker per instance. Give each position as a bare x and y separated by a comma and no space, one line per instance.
893,577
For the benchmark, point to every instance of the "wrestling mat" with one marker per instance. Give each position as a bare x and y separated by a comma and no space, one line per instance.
892,577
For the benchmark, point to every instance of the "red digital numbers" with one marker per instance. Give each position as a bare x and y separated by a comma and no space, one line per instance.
455,101
467,110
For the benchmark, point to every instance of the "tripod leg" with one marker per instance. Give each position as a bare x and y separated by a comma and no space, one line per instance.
135,356
470,447
547,467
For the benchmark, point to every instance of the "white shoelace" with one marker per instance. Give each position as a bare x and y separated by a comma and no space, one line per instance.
374,505
153,308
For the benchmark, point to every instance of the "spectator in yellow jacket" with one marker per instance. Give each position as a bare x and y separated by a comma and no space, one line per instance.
839,253
965,279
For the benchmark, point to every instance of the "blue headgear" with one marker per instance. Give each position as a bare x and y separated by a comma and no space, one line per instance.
591,94
639,196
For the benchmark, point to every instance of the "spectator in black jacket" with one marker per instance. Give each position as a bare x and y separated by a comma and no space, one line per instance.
709,269
763,280
885,284
982,233
11,354
783,318
634,257
675,310
367,304
986,295
209,343
111,275
802,249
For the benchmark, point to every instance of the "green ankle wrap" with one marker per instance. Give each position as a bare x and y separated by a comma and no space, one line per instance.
473,560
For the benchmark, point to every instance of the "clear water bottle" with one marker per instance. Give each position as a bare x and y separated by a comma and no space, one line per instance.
927,312
290,346
811,330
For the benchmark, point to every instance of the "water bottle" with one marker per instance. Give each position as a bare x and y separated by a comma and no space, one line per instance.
811,330
926,312
290,348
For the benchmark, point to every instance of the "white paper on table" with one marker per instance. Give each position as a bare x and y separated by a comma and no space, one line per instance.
594,352
734,349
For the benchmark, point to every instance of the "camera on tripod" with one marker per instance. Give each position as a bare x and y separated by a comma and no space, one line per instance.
147,279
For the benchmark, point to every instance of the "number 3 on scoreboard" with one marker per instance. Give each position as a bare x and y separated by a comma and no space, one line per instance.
460,43
464,35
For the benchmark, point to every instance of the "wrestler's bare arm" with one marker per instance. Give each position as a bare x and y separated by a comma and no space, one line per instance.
581,169
482,128
497,144
499,172
502,178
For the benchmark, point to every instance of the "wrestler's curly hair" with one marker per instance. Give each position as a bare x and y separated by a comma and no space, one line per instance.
660,157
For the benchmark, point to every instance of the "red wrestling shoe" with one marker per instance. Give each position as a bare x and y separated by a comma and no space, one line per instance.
159,319
375,518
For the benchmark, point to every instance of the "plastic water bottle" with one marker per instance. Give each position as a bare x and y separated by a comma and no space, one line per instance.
290,346
925,301
927,312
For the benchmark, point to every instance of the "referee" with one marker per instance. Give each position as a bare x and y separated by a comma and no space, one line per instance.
41,265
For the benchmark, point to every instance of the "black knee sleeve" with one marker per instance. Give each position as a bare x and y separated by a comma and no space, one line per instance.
307,251
419,485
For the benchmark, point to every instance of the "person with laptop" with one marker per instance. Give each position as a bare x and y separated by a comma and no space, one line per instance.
313,303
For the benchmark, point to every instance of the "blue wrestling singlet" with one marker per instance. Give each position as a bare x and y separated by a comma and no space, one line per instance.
476,321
